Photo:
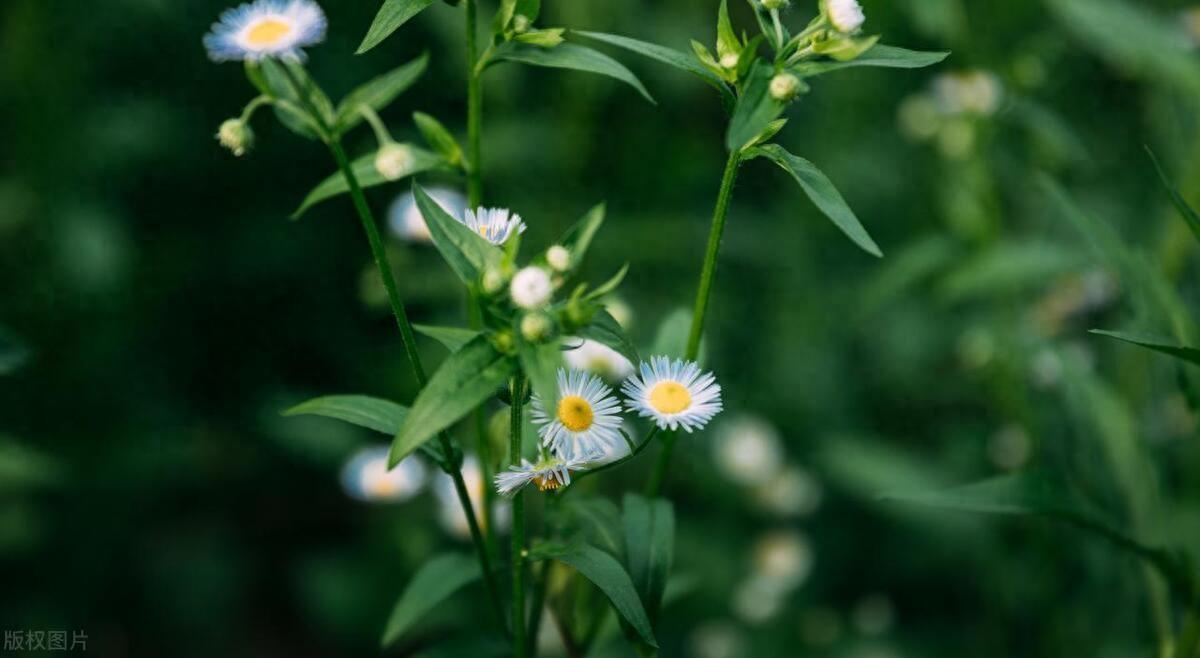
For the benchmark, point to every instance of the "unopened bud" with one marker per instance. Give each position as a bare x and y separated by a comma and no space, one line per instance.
235,135
785,87
558,258
493,281
536,327
520,23
393,161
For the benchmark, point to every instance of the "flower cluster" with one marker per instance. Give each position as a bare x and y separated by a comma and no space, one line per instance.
585,426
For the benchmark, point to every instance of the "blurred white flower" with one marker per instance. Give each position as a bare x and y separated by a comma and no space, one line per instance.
873,615
792,493
620,311
394,161
845,15
919,117
968,92
585,423
757,600
784,558
266,28
597,357
673,394
366,477
717,639
748,450
496,225
450,512
1046,368
531,288
406,221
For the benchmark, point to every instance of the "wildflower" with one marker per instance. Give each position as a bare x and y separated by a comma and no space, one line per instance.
496,225
366,477
748,450
236,135
531,288
674,394
586,421
266,28
785,87
599,358
558,258
407,222
536,327
393,161
846,16
968,92
549,473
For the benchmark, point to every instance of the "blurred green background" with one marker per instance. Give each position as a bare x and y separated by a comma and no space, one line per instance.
158,310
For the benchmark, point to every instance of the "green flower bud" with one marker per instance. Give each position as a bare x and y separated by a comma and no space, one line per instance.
504,341
536,327
785,87
493,281
235,135
520,23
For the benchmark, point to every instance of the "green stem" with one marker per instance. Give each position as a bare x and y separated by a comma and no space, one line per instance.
482,445
517,391
707,276
474,113
1188,644
381,132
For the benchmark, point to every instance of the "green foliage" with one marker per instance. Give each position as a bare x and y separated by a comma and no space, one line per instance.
1188,213
541,364
391,16
603,328
880,56
378,93
569,56
649,547
1155,343
453,338
372,413
368,176
755,109
578,239
438,138
467,253
665,55
436,581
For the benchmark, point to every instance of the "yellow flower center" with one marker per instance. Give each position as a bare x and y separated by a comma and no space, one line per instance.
546,482
670,397
575,413
267,32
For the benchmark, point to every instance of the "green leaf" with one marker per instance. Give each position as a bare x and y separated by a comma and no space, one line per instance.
436,580
665,55
290,108
755,109
608,574
649,547
578,239
452,337
727,39
438,138
391,16
820,189
599,521
376,414
570,56
529,9
672,337
541,364
606,330
378,92
464,381
610,285
368,176
1156,343
467,252
880,56
1189,214
504,16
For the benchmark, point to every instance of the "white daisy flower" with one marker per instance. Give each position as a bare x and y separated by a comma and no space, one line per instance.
599,358
846,15
266,28
548,474
587,420
531,288
366,477
496,225
407,222
674,394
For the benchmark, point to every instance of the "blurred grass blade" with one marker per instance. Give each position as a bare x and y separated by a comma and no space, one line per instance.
376,414
605,329
1189,214
755,109
378,92
367,175
464,381
649,547
1007,267
880,56
820,189
467,252
571,56
578,239
1156,343
433,583
665,55
541,364
452,337
391,16
608,574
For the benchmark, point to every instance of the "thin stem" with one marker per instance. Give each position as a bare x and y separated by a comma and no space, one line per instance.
517,391
381,132
659,474
482,445
778,30
474,113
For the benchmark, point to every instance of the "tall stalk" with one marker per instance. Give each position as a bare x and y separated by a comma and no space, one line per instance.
474,113
517,392
707,275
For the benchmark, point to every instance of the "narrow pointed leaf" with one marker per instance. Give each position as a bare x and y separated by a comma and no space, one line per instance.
578,239
599,521
435,582
820,189
755,109
880,56
571,56
608,286
367,175
379,92
391,16
467,252
649,547
453,338
375,414
541,364
671,339
607,574
1189,214
663,54
1156,343
606,330
438,138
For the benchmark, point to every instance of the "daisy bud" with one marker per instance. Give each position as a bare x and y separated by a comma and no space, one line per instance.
730,60
536,327
531,288
771,5
493,281
504,341
393,161
785,87
558,258
846,16
235,135
520,23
